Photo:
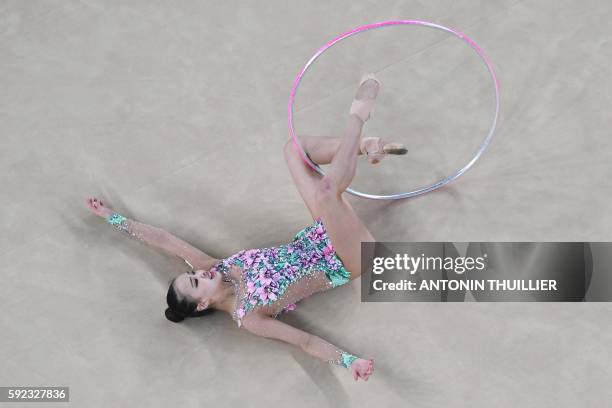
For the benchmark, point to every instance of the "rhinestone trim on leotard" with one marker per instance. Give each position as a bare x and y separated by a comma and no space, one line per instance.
268,273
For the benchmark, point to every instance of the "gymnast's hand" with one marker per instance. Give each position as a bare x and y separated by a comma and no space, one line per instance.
362,368
97,207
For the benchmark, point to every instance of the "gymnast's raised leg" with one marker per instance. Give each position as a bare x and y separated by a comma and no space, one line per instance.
323,196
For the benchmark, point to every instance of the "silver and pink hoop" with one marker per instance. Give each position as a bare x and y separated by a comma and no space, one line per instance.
437,184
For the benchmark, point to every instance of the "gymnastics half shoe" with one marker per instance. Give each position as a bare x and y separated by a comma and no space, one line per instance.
363,106
376,149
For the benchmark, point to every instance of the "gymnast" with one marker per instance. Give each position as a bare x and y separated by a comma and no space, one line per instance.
254,286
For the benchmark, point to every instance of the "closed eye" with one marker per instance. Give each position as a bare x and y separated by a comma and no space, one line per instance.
195,279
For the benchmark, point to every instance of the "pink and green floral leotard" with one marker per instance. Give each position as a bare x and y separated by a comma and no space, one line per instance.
274,279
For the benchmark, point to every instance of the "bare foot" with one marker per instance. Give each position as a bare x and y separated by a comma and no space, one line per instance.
97,207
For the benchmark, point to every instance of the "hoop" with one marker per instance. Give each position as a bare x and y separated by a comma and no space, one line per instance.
421,190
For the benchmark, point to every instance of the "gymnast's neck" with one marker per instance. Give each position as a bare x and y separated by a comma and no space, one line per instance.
225,299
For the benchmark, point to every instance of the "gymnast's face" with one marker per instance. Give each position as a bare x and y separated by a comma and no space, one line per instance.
199,285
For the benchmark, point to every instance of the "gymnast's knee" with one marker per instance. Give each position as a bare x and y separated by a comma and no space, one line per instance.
327,190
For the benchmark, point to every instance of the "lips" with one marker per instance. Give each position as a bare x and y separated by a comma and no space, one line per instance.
212,275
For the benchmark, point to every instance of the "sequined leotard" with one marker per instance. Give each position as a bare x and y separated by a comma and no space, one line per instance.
274,279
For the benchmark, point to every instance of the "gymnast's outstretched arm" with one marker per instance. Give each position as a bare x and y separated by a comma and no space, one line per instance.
267,326
153,236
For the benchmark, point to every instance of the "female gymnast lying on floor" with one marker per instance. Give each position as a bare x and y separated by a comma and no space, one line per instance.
254,286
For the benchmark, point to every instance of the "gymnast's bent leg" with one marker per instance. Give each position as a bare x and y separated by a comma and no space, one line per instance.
345,230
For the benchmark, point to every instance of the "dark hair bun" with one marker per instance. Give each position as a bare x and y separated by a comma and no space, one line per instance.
173,317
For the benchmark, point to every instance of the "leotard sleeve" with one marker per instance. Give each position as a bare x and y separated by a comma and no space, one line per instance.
266,326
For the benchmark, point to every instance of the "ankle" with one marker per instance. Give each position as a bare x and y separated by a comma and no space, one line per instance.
356,118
